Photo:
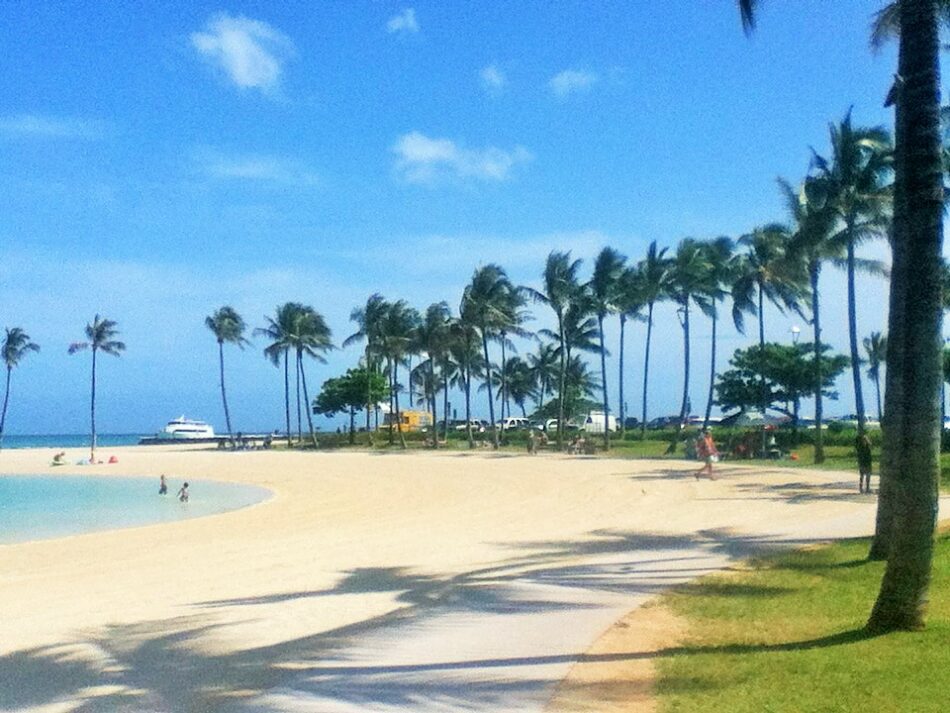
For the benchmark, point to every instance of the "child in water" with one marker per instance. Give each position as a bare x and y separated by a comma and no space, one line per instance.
183,493
162,486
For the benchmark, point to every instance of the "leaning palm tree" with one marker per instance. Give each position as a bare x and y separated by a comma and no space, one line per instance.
280,330
100,336
311,337
875,346
654,278
228,327
854,181
767,270
812,244
368,320
559,291
16,345
690,282
605,294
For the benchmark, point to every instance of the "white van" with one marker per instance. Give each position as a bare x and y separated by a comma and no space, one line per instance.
594,423
513,423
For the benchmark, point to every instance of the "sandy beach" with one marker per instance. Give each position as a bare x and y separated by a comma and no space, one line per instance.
396,582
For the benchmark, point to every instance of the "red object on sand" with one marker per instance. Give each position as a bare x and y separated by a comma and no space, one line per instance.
113,459
794,456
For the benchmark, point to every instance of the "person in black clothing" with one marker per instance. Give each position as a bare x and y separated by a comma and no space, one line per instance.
862,445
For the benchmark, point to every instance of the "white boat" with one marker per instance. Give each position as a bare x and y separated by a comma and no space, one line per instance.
184,429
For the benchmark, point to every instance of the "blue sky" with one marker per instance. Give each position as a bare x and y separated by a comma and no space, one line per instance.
160,163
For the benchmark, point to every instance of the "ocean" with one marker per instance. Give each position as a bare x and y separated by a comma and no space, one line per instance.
71,440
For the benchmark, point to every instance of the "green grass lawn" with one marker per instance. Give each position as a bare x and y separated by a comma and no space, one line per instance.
788,636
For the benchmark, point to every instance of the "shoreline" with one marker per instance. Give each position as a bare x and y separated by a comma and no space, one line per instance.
472,581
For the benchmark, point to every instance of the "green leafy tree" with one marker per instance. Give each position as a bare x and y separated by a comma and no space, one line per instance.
100,337
16,345
228,328
347,394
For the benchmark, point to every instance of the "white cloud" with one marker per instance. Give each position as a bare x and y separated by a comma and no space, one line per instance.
255,167
251,52
403,22
493,79
571,81
421,159
49,127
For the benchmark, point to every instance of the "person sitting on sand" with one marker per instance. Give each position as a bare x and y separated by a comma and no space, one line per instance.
60,458
162,485
183,493
706,451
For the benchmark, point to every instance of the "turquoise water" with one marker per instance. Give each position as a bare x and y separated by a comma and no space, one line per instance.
70,440
35,507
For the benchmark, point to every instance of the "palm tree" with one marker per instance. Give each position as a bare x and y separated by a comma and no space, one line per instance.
766,271
690,280
466,362
544,370
853,180
720,265
811,244
876,348
228,327
630,302
432,337
491,303
604,290
520,382
310,337
560,289
396,343
16,345
280,330
368,320
654,278
100,336
910,464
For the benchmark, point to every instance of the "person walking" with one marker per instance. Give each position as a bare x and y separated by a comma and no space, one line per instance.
706,451
862,444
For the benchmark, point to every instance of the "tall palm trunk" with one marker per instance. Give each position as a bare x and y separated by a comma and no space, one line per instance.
684,406
468,408
603,375
402,436
491,399
814,272
562,377
445,404
504,386
287,393
853,338
763,388
621,407
92,408
646,370
352,425
370,372
712,366
306,400
224,395
392,391
435,423
6,399
297,367
877,387
910,472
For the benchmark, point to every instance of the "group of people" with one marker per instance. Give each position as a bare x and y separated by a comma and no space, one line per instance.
182,494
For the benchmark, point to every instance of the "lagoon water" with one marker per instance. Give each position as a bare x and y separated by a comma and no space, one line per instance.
34,507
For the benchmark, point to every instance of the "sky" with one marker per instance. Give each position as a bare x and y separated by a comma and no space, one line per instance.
164,160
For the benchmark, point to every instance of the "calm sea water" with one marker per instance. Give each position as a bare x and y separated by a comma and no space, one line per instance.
71,440
34,507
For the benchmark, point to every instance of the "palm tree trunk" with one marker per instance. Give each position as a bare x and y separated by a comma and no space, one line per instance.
911,411
603,386
646,371
712,367
392,391
435,422
297,367
763,389
402,436
877,386
684,406
224,395
814,272
504,387
6,399
491,400
562,377
287,392
853,338
621,407
370,372
352,425
468,408
445,404
92,409
306,400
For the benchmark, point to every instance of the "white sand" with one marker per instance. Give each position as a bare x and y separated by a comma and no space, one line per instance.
416,583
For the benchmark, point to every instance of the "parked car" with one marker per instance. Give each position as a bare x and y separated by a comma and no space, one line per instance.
663,422
478,426
513,423
550,426
631,422
594,423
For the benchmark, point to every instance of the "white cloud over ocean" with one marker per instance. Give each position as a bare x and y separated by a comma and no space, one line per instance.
423,159
251,53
